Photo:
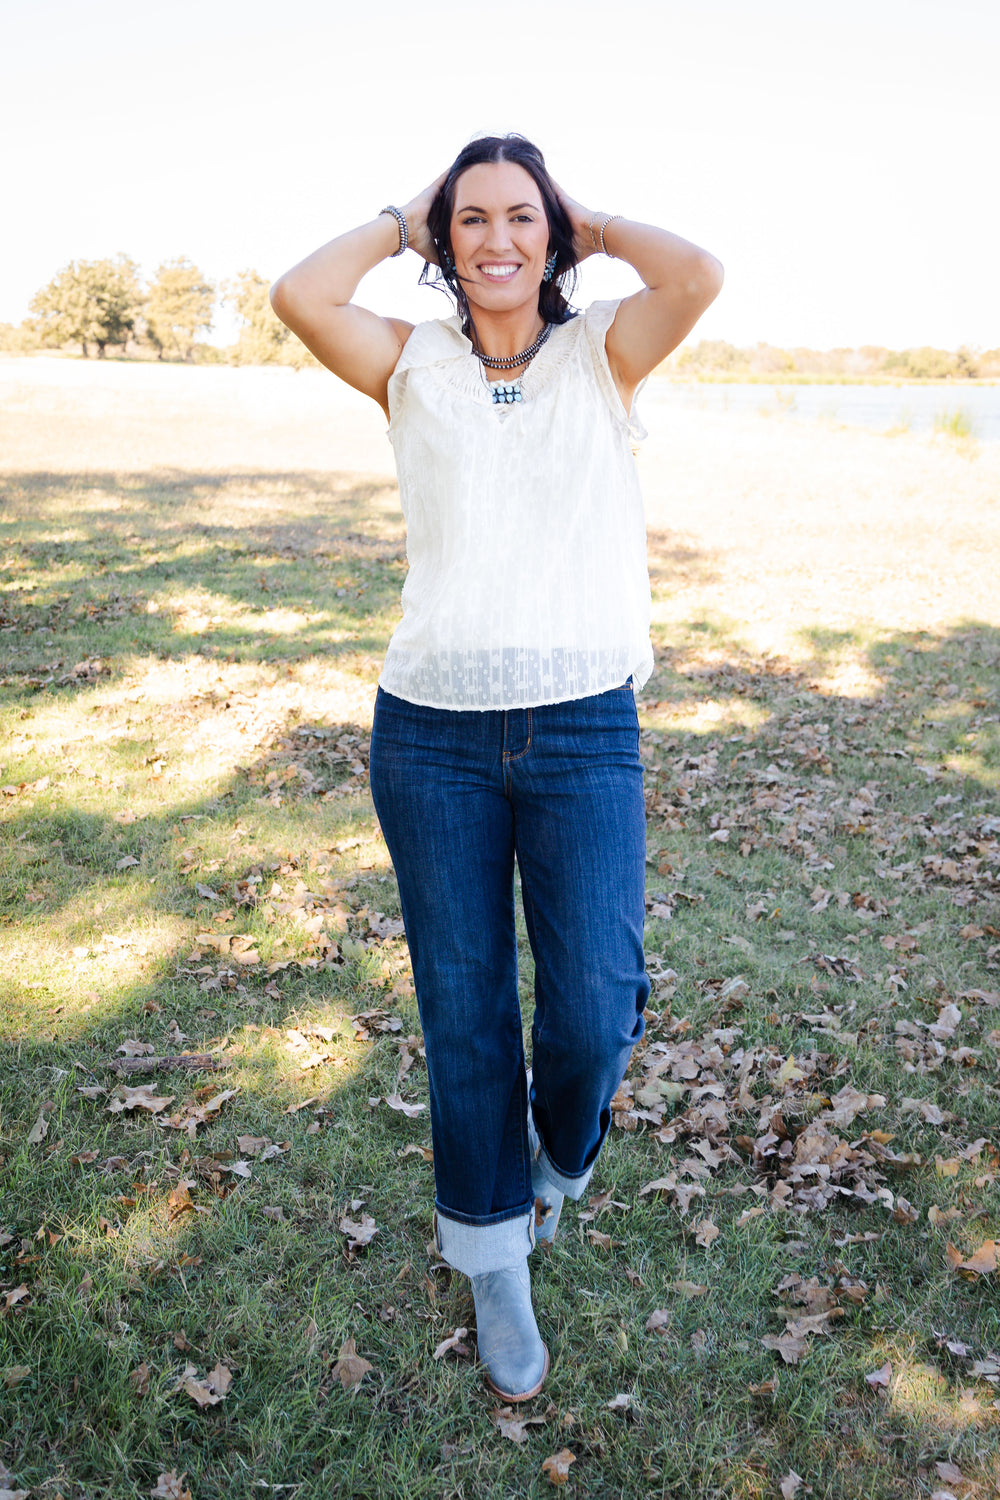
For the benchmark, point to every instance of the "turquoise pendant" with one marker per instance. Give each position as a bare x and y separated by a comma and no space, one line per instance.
506,393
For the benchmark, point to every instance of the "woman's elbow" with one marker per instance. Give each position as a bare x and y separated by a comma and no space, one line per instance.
712,275
279,297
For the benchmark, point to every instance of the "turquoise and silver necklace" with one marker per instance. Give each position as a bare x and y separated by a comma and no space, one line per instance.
507,392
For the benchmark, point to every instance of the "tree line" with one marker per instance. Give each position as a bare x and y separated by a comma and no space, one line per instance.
715,358
96,305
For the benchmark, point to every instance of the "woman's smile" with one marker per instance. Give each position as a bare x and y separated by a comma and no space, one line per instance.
499,270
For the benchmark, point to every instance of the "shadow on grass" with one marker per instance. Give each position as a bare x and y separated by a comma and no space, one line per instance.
275,1297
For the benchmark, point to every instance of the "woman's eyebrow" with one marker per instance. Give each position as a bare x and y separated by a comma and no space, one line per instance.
472,208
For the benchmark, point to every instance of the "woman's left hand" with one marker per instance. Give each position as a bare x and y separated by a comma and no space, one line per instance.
580,218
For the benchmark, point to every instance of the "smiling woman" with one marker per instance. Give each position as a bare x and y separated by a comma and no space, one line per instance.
505,727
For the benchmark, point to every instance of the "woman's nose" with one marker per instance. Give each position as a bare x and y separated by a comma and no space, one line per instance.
498,236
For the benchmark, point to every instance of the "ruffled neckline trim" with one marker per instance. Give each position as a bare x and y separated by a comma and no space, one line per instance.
443,342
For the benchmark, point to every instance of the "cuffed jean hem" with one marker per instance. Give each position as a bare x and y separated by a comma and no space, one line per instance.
573,1187
475,1249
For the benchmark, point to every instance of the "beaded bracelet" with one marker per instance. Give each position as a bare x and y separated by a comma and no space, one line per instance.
404,236
604,249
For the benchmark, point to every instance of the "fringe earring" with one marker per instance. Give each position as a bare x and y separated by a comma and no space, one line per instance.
550,267
447,264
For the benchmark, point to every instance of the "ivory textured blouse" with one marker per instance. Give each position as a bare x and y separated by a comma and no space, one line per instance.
526,537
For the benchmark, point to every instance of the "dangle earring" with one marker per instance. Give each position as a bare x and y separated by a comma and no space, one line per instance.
447,264
550,267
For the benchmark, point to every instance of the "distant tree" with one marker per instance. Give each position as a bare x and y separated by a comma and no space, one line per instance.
921,364
263,338
178,307
712,355
18,338
89,302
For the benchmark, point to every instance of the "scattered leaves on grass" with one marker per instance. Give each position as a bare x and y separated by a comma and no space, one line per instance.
602,1241
658,1321
139,1380
454,1345
981,1263
409,1110
705,1233
142,1097
358,1234
514,1425
350,1368
170,1486
790,1346
556,1468
880,1380
209,1391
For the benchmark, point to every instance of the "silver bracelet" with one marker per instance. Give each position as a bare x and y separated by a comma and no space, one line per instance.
604,249
404,236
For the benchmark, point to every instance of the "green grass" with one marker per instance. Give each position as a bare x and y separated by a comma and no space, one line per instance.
957,423
233,629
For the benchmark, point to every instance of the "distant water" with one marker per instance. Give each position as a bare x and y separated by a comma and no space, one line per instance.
879,407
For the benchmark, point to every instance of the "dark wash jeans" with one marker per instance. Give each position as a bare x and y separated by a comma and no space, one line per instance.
460,795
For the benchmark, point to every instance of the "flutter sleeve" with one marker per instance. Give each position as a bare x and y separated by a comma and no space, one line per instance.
597,320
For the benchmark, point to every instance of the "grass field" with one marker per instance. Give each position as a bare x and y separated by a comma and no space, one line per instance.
215,1276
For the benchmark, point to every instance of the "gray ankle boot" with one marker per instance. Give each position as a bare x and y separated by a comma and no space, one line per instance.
548,1199
510,1346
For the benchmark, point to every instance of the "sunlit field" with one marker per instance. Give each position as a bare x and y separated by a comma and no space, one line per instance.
216,1276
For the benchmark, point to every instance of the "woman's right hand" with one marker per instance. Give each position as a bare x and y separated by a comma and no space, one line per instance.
415,213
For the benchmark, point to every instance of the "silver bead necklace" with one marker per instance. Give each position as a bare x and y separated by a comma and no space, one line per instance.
505,393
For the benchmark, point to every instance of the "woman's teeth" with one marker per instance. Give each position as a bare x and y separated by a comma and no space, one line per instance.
498,273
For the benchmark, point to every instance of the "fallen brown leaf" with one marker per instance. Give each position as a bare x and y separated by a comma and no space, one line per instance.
454,1345
170,1486
604,1241
358,1235
39,1130
791,1347
350,1368
208,1392
139,1380
790,1485
409,1110
556,1468
880,1380
981,1263
658,1321
14,1374
514,1426
141,1097
705,1232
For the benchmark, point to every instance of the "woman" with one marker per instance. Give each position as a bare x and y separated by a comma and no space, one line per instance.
505,724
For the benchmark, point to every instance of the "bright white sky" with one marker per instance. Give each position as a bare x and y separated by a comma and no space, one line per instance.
839,156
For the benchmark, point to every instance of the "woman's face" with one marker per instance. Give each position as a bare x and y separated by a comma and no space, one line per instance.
499,236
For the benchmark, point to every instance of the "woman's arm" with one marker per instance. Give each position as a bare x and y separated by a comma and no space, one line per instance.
314,300
681,281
